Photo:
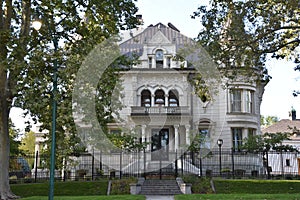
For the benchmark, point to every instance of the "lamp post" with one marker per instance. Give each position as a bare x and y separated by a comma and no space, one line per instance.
220,143
37,25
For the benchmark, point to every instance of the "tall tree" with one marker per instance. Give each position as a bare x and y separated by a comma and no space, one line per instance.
266,121
26,58
14,135
241,33
28,143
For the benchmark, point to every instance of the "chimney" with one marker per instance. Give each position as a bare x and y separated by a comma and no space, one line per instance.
293,114
140,19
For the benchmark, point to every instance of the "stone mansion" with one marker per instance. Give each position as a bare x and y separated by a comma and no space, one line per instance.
159,98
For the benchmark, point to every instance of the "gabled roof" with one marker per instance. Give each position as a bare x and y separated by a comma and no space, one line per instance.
283,126
136,43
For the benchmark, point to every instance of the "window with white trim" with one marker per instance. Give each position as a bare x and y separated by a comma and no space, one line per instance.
204,138
237,138
236,100
249,99
241,100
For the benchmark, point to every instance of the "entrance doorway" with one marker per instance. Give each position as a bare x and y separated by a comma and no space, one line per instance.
298,159
160,144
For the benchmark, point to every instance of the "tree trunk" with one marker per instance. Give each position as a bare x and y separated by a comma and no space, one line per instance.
7,85
5,192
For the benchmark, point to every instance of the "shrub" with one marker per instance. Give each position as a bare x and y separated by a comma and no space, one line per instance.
121,186
200,185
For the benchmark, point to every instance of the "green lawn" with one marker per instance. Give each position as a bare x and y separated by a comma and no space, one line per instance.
240,186
239,197
74,188
123,197
226,189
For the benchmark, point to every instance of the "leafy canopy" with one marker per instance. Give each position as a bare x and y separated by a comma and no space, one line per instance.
267,142
241,33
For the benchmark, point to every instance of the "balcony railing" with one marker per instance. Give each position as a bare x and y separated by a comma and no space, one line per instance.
182,110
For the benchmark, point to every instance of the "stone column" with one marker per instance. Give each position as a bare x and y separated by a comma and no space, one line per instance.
165,62
176,127
143,133
139,100
187,135
149,139
166,100
153,62
152,100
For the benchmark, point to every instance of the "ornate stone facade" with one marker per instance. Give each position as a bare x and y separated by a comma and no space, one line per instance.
159,98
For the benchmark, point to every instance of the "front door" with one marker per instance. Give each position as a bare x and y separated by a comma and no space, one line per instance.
298,166
160,144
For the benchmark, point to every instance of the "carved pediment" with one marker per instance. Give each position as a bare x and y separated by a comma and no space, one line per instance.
159,38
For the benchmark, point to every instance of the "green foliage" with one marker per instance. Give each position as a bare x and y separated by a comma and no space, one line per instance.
62,188
266,121
199,185
28,143
256,186
267,142
201,88
14,135
78,26
197,141
103,197
127,140
121,186
242,33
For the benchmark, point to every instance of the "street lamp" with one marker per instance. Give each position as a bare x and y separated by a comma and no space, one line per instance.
220,143
37,24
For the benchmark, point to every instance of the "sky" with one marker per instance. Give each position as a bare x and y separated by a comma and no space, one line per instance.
277,98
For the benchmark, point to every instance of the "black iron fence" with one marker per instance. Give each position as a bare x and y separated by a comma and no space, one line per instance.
160,164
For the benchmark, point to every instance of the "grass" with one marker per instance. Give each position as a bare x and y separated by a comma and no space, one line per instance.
257,186
123,197
61,189
226,189
238,197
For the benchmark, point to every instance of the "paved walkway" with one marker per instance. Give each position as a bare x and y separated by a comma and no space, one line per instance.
159,197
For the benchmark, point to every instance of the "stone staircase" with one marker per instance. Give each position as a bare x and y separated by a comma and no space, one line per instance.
160,187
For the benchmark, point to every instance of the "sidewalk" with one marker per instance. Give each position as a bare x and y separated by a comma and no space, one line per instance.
159,197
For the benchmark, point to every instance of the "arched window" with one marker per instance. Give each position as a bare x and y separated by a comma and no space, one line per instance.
204,133
173,98
159,97
159,58
146,98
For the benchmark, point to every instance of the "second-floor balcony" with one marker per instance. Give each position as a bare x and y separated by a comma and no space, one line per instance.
181,110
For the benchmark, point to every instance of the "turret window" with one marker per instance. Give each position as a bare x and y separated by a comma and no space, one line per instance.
159,57
241,100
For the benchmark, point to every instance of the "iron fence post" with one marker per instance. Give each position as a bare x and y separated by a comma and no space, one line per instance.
93,164
176,164
232,161
144,163
160,172
36,165
181,160
121,165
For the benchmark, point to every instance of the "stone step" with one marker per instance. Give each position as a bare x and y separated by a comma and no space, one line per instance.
160,187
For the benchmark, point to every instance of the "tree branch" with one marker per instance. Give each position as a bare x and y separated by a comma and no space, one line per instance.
9,11
274,30
280,46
